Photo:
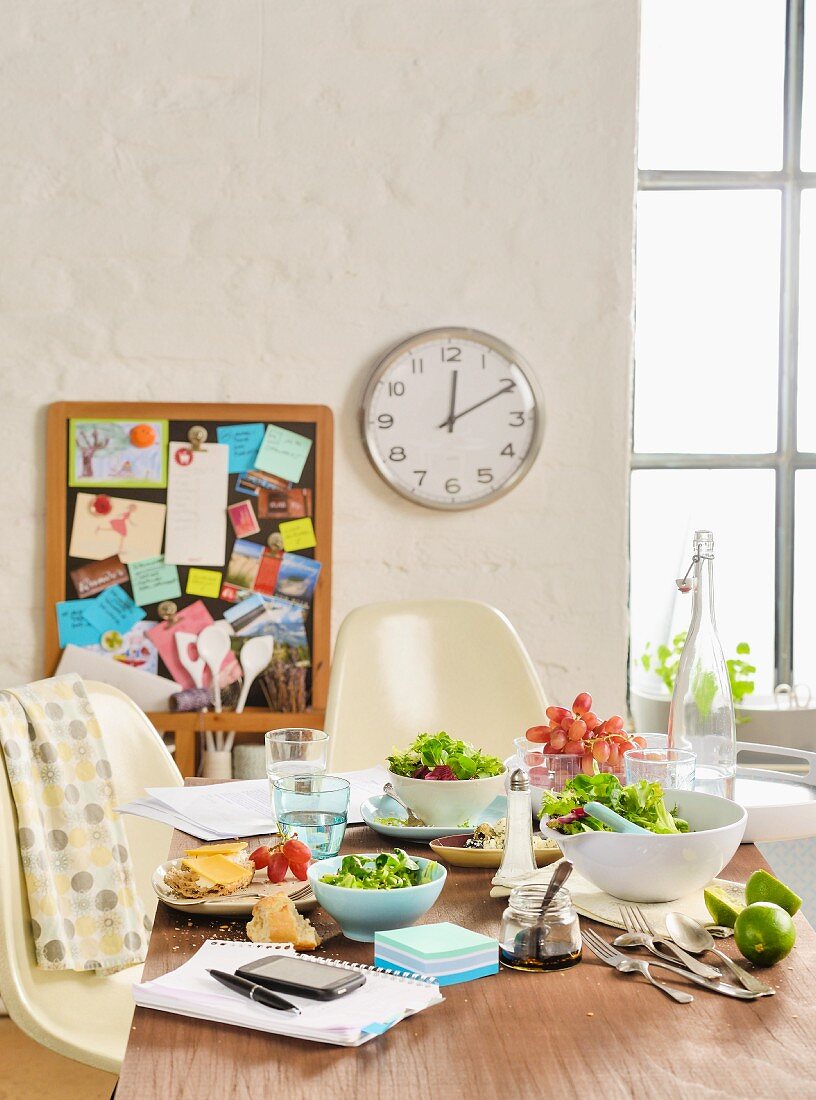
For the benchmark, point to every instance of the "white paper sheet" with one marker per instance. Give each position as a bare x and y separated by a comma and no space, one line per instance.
222,810
196,525
148,691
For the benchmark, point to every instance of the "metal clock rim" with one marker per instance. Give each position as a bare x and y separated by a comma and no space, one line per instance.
461,333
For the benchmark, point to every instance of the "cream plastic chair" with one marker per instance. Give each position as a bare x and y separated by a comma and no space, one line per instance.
84,1016
410,667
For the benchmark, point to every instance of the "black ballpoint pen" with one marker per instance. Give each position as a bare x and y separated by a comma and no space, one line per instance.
253,991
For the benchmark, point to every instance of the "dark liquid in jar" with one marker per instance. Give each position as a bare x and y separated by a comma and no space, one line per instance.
547,962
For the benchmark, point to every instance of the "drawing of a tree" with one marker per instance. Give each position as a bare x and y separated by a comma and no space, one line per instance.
88,448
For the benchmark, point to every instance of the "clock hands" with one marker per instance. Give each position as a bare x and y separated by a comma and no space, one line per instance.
453,417
451,414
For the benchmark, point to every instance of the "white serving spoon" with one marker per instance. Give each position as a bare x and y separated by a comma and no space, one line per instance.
256,654
214,647
194,667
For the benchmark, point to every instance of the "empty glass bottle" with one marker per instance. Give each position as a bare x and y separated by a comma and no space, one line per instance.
701,716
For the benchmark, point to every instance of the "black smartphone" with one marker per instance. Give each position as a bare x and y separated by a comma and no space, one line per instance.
302,977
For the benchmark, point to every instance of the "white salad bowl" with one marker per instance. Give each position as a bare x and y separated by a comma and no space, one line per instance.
448,803
660,867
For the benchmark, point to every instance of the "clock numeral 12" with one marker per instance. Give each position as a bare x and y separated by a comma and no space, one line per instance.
451,355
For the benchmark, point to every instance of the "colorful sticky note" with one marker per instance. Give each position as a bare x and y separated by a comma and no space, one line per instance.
75,628
297,534
283,453
113,609
204,582
153,580
243,441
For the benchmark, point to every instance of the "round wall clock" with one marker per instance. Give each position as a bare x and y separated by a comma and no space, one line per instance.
452,418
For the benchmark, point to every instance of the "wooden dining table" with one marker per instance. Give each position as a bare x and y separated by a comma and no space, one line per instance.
584,1032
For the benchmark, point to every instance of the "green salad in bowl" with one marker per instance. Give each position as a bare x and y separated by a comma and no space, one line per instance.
642,803
444,780
386,871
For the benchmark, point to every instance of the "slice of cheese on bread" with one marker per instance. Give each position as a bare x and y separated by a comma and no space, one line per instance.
226,848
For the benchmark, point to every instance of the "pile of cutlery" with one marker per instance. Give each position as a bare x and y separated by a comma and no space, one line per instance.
676,957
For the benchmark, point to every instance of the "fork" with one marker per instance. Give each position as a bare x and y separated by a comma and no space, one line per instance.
607,954
636,922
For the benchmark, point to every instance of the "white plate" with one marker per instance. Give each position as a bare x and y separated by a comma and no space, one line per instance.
234,905
381,806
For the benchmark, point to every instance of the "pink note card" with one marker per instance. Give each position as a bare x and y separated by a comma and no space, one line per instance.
191,620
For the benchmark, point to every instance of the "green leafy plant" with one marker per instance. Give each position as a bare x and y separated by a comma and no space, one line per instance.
665,661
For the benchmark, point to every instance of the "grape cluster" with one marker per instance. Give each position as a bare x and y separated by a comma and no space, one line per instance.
580,732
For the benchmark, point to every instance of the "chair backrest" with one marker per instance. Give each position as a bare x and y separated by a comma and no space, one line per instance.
410,667
138,758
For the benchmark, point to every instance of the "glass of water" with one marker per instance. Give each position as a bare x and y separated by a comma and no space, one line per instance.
673,769
296,752
315,807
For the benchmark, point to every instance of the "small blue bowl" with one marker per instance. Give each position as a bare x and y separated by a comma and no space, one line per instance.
361,913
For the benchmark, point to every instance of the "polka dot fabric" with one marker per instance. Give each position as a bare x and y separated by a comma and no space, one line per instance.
85,912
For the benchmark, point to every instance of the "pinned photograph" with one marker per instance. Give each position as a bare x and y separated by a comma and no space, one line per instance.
297,578
243,519
124,454
284,503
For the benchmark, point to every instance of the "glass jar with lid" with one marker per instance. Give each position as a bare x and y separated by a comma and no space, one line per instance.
532,940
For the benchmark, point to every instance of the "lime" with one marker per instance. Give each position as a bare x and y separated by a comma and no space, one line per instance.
764,933
762,886
724,901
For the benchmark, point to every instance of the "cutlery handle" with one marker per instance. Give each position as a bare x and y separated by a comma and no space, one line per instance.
752,984
675,994
715,987
694,965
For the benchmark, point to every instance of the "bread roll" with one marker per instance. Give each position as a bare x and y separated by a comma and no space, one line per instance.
276,920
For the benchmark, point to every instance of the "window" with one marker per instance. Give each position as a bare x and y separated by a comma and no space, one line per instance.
724,432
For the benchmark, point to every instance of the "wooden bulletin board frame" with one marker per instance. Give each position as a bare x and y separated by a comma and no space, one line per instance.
186,726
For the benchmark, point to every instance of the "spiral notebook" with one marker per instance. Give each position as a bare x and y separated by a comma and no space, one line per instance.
373,1008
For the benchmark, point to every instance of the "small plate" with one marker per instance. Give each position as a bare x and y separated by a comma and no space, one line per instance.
381,806
452,849
233,905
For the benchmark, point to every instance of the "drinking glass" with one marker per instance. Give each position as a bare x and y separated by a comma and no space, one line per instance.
296,752
315,807
673,769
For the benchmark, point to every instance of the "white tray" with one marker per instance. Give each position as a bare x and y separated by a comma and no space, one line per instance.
781,805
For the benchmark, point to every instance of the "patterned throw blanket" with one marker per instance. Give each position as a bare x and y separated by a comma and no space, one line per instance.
85,912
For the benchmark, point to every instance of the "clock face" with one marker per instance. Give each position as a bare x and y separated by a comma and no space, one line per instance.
451,418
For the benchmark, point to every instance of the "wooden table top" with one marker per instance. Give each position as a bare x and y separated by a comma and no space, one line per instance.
587,1031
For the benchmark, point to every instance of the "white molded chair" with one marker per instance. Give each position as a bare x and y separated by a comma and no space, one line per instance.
419,666
84,1016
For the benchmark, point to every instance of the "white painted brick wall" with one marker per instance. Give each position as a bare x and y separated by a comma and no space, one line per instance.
251,200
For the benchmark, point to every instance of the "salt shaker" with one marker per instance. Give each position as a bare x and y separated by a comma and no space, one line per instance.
519,857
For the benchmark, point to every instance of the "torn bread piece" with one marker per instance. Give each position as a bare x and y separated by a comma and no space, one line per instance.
276,920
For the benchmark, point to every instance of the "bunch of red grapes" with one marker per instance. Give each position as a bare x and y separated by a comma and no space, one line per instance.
581,732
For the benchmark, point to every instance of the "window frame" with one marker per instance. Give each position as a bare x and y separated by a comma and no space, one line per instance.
790,181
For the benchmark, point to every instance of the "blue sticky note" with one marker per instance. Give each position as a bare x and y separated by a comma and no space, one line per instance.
243,441
113,609
283,453
75,626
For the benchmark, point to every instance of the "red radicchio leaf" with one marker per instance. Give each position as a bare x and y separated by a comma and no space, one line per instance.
441,771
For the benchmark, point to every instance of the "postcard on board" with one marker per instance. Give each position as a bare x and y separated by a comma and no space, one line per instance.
297,578
104,526
123,454
284,503
90,580
196,505
243,519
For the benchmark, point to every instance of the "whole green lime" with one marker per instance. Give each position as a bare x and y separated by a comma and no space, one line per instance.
762,886
764,933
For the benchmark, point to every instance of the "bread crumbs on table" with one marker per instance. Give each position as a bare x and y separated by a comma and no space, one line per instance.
590,1013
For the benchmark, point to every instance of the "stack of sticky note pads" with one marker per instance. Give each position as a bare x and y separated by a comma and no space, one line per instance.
445,951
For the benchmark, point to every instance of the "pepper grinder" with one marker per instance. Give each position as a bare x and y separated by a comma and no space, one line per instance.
519,857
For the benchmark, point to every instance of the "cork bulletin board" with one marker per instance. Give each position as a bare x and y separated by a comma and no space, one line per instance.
106,494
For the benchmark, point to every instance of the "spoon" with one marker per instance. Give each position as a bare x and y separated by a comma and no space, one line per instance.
612,819
640,939
255,657
412,821
213,646
692,936
527,944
